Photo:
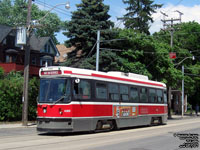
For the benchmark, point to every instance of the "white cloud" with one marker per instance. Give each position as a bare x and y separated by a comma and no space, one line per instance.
189,14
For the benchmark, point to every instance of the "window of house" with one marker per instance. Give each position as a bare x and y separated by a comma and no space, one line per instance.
44,61
4,42
11,58
113,91
124,93
152,95
34,61
143,95
82,90
10,40
134,95
101,91
48,49
159,96
45,48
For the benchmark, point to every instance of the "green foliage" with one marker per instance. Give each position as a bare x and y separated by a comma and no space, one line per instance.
1,73
33,95
186,44
139,14
108,61
11,89
15,13
91,15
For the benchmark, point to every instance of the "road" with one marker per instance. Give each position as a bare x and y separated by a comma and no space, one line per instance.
140,138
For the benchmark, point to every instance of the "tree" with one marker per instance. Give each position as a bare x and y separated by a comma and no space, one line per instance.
186,44
139,14
91,15
108,61
14,14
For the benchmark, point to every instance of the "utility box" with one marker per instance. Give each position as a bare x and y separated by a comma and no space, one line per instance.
21,36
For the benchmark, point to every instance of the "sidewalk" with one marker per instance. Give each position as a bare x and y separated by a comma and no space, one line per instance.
16,125
185,116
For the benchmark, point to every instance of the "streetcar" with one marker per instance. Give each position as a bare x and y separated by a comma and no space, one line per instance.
74,100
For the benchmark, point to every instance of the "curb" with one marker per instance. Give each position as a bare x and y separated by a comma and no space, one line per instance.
17,125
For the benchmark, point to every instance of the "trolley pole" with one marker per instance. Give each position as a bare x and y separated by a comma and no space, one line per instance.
98,47
26,68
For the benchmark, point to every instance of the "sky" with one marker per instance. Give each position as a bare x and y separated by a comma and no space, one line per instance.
189,8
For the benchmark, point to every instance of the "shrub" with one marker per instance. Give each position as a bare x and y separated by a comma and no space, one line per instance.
11,89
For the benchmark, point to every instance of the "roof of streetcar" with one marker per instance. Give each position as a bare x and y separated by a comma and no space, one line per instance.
130,78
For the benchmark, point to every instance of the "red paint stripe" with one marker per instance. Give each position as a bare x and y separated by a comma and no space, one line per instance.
123,79
76,110
146,110
115,78
67,72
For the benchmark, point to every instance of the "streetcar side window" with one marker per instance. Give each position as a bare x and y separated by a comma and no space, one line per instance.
124,93
152,95
134,95
165,97
82,90
101,91
159,96
143,95
113,91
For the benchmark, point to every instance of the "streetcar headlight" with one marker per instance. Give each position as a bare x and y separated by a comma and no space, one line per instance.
44,110
61,112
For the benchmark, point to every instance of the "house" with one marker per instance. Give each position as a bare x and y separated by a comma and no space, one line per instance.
43,51
63,50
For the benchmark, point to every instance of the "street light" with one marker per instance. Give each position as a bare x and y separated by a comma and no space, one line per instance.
182,100
67,6
193,58
29,24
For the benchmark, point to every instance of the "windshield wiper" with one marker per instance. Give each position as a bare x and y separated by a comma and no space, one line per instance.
61,98
58,100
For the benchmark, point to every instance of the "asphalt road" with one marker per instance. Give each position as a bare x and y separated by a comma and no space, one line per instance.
165,137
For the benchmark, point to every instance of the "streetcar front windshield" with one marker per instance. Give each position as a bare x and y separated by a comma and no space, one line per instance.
55,90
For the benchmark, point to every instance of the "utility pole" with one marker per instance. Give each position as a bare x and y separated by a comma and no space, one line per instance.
182,106
26,68
98,47
170,28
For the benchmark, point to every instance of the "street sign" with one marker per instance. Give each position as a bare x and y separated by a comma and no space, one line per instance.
172,55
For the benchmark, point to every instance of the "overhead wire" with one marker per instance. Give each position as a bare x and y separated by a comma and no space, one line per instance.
49,5
58,10
169,9
149,52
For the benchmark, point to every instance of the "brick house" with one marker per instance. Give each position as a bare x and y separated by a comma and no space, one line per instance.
43,50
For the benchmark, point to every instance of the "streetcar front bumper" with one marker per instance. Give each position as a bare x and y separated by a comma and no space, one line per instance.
52,125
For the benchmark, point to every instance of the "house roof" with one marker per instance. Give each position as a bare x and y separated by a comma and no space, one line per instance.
63,50
37,43
4,31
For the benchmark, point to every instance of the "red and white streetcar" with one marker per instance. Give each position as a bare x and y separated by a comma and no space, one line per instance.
72,100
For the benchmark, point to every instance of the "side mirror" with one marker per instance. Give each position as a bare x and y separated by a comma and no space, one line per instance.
77,81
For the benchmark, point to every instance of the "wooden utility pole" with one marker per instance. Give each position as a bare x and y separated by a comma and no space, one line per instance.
170,27
26,68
